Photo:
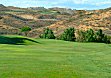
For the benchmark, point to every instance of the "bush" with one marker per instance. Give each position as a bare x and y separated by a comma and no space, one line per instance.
48,34
80,36
99,36
25,29
107,39
68,35
91,36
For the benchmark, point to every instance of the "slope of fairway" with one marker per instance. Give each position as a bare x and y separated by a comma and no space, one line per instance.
55,59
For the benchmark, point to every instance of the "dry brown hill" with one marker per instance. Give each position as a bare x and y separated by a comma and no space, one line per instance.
98,19
12,19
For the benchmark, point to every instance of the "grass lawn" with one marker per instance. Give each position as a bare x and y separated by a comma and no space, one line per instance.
55,59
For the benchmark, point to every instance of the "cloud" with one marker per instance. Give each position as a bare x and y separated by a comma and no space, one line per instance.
103,3
80,1
84,4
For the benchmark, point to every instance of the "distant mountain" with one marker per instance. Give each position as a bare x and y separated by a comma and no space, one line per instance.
3,8
63,10
37,8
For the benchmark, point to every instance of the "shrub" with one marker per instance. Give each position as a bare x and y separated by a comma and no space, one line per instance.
48,34
25,29
107,39
91,36
80,36
68,35
99,36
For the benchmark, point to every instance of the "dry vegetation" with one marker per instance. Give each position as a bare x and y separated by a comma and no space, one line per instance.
13,19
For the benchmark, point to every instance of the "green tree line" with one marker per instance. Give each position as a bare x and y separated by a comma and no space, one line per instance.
81,36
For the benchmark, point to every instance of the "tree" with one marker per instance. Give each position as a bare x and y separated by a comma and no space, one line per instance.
107,39
48,34
90,36
68,35
25,29
81,36
85,36
99,36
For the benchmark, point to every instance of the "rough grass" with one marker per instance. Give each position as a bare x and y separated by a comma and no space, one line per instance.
55,59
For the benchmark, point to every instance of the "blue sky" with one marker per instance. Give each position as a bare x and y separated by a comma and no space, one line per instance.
74,4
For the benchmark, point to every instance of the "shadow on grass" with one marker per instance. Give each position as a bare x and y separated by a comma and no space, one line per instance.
15,40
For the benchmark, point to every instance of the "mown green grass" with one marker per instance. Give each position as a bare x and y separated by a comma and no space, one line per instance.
55,59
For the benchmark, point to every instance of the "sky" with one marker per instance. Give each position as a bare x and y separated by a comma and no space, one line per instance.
74,4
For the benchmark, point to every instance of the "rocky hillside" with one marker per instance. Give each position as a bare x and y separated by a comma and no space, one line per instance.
97,19
12,19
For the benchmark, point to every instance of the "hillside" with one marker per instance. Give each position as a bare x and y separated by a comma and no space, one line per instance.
83,20
57,19
98,19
